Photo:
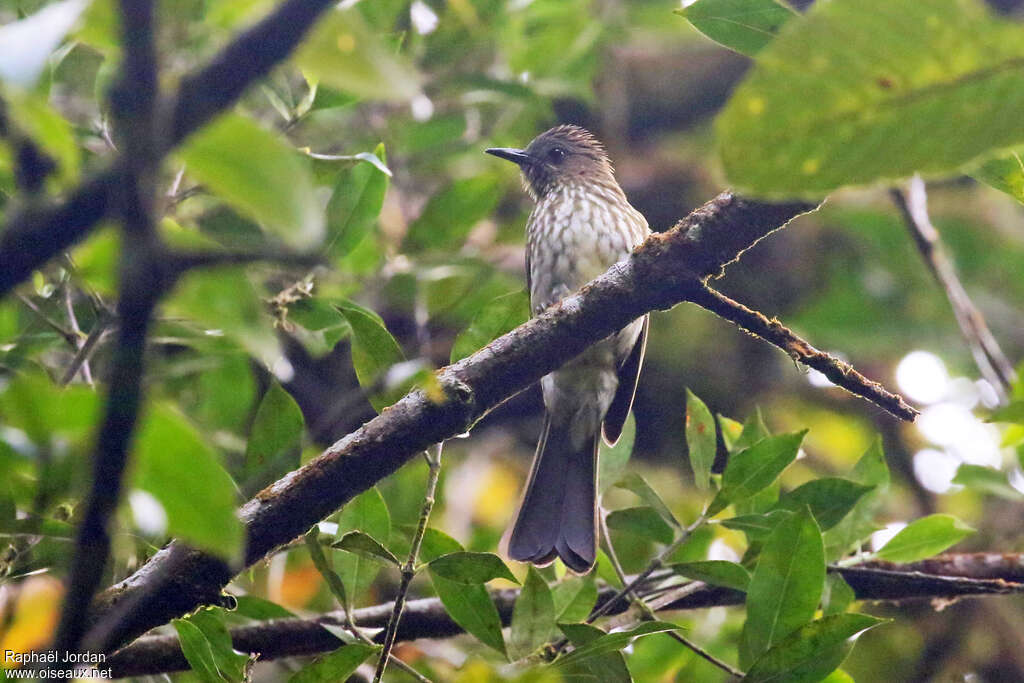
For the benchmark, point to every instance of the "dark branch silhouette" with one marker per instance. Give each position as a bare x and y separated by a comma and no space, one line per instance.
133,102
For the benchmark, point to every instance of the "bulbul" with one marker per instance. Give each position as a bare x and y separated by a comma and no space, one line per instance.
580,226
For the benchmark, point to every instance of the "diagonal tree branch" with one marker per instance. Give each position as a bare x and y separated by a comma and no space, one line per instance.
43,229
988,356
660,274
426,618
838,372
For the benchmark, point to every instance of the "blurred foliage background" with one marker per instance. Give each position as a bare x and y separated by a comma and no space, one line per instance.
367,146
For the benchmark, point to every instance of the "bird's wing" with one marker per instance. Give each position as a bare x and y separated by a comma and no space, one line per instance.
529,283
629,373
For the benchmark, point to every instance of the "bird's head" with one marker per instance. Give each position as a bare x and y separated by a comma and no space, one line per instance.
565,154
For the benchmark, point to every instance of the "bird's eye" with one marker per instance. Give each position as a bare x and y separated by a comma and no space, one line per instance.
556,155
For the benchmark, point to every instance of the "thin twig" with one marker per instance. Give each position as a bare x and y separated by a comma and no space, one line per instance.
613,557
988,356
654,565
64,332
705,655
80,340
409,568
172,191
337,589
839,372
648,612
99,330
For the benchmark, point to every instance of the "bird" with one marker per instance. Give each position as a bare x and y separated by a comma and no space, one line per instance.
581,225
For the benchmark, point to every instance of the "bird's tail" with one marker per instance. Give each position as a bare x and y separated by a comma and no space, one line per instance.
558,515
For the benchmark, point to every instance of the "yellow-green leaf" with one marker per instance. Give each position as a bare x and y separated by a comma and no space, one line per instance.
259,175
842,95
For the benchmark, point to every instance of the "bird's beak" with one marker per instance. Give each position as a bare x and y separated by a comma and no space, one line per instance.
517,156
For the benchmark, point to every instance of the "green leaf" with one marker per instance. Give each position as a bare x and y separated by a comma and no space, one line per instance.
533,617
253,607
838,676
25,45
224,303
356,202
641,521
232,665
812,651
760,503
756,467
344,53
715,572
756,527
497,317
226,392
738,436
605,570
197,651
837,595
437,543
745,26
638,485
574,597
206,644
368,513
613,642
613,460
470,606
275,441
1005,174
259,175
471,568
367,546
33,403
857,525
318,325
607,668
96,260
754,429
923,538
786,585
174,464
47,128
374,351
580,634
1012,413
731,430
336,666
700,439
452,213
986,479
841,96
829,498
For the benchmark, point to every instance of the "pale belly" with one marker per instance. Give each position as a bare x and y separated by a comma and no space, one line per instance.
563,257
